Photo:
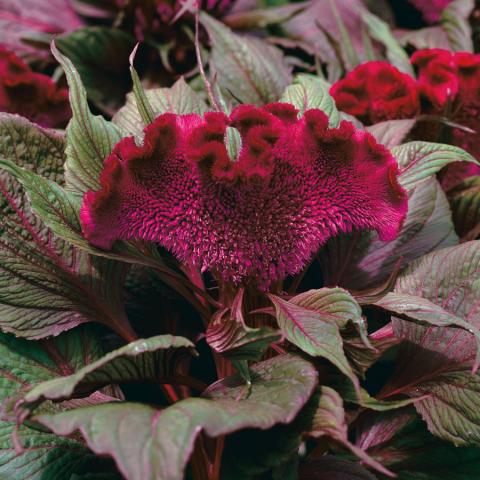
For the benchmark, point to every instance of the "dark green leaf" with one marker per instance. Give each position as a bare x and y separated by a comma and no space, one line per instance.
263,17
47,287
317,29
414,454
361,356
465,203
143,105
139,360
429,37
164,439
90,139
45,455
315,331
436,362
328,420
364,399
25,363
248,67
22,365
32,147
333,304
100,55
418,309
455,23
59,210
420,160
380,31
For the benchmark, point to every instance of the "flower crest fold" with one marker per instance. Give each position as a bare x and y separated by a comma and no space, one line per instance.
256,218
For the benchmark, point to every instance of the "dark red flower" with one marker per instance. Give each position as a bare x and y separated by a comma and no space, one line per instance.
154,17
377,91
438,80
431,9
449,85
32,95
257,218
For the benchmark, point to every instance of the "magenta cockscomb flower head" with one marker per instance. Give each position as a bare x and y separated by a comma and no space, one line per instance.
375,92
254,219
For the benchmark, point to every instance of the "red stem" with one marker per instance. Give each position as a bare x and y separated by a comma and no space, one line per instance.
382,333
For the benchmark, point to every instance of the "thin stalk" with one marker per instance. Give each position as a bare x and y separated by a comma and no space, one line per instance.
208,85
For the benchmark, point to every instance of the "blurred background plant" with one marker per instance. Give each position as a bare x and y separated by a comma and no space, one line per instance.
326,36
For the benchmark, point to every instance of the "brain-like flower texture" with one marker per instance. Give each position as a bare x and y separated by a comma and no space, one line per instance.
259,217
377,91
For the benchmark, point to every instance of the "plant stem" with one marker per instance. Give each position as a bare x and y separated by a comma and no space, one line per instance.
208,85
125,330
382,333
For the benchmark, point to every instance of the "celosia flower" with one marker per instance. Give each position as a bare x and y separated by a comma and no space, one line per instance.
152,22
32,95
295,184
449,85
377,91
153,17
431,10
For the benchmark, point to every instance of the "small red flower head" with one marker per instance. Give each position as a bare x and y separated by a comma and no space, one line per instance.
431,10
449,85
437,76
377,91
32,95
258,218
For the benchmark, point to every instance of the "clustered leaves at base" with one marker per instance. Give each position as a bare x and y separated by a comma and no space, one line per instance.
256,287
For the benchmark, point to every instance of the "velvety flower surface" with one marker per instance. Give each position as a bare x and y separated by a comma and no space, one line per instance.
377,91
431,9
32,95
295,183
449,85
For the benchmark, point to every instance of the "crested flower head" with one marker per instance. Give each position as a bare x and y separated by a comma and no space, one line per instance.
377,91
447,78
32,95
449,85
258,217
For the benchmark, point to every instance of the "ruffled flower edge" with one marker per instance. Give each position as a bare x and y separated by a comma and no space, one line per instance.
260,217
